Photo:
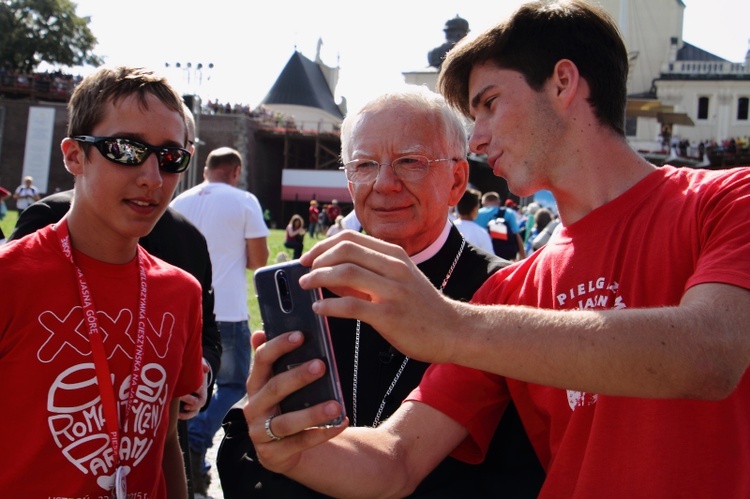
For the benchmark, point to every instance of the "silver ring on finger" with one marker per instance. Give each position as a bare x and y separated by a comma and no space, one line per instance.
270,433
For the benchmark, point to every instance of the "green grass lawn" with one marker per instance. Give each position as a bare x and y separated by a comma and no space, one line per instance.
275,246
7,223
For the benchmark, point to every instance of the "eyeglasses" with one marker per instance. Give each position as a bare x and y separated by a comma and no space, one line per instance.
129,152
408,168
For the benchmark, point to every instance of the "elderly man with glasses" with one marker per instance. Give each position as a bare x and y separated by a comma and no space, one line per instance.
404,155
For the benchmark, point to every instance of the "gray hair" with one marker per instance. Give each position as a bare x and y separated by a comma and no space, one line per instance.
419,98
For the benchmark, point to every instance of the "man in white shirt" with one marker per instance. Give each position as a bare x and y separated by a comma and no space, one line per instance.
468,208
25,194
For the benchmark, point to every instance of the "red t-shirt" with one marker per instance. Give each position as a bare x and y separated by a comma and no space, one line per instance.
313,214
53,434
332,212
675,229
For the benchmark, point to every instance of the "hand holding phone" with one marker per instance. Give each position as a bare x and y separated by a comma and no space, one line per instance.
284,307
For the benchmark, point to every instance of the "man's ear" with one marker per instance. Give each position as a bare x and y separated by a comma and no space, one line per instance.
460,180
566,80
73,155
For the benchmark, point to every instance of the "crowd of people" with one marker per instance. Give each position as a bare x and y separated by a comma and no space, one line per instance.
54,85
730,150
522,230
484,349
503,227
261,113
58,85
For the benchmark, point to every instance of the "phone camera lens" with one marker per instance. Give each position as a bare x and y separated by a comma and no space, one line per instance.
283,284
285,297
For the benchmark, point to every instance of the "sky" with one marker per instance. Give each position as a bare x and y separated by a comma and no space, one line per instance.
250,42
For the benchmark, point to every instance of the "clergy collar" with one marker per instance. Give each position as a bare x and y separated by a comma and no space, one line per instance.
433,248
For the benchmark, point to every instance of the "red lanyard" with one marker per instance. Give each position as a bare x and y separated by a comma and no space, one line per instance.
103,375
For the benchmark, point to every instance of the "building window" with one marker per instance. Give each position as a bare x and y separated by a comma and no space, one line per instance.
742,108
702,108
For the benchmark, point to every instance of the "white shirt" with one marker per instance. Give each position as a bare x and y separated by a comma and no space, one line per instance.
351,221
333,230
226,216
475,234
25,196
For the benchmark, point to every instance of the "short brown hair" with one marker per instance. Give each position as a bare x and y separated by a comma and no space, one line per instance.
86,105
534,39
468,201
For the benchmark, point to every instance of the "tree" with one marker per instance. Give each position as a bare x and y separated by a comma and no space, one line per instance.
36,31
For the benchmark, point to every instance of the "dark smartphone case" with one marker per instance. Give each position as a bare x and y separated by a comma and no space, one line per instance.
284,307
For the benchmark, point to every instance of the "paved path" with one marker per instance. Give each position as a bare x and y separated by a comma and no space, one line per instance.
214,490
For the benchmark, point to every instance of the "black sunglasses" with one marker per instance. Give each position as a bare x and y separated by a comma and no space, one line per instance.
131,152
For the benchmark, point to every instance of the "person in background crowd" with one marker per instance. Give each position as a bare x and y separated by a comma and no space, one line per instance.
25,194
504,230
333,211
530,213
616,346
517,226
323,221
336,227
468,208
4,194
512,207
502,225
488,211
313,215
542,218
295,235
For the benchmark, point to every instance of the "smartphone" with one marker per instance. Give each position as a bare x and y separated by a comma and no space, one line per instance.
284,307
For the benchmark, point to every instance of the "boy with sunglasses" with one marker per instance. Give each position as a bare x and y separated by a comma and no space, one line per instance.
99,358
177,241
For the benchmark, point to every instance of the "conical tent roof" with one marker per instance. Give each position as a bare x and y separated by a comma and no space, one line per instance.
302,83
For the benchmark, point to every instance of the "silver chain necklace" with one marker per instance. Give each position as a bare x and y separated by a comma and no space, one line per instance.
376,422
